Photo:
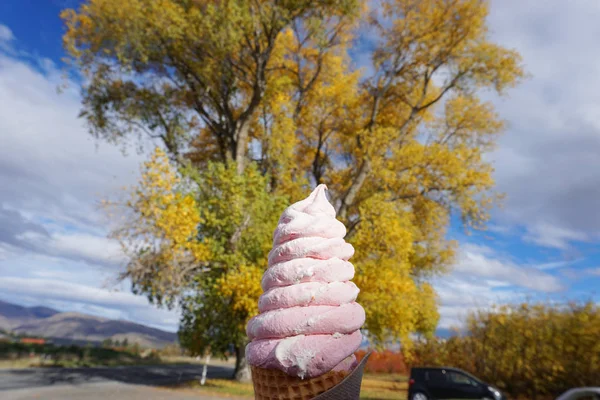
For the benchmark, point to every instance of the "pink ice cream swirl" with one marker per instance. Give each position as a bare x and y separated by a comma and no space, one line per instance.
309,321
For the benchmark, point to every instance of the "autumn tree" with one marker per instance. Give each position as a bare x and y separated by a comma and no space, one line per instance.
255,102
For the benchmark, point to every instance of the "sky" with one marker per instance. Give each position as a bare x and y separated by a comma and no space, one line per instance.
541,245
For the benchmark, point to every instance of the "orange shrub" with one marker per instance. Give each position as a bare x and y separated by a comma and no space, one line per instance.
384,362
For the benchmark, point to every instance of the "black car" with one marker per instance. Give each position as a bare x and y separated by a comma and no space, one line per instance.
448,383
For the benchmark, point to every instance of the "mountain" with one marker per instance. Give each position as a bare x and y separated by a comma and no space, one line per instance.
12,311
77,327
445,333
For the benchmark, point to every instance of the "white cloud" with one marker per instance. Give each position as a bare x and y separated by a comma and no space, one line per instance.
55,170
53,239
496,284
548,162
556,264
479,261
98,250
30,265
61,290
547,235
88,247
482,278
6,34
51,171
593,271
3,252
460,295
457,290
499,229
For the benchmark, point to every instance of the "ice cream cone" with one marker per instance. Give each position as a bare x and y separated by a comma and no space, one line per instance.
302,341
272,384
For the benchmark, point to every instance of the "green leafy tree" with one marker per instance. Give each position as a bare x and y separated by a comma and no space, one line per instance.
135,348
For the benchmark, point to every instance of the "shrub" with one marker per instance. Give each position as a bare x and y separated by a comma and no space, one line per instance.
530,350
384,362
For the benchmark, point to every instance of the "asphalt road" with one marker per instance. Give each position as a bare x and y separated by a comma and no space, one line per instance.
130,383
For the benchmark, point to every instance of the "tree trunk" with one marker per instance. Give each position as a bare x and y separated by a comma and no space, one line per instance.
352,192
241,145
204,369
242,369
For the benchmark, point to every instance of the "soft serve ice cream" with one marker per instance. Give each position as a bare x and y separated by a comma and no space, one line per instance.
309,321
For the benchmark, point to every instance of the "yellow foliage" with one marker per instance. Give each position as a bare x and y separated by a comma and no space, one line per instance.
242,284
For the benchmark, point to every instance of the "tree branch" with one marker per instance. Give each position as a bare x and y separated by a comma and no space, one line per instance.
450,86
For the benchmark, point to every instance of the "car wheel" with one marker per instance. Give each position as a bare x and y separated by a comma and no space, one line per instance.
419,396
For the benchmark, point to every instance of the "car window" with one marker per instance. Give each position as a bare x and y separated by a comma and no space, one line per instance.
459,378
436,376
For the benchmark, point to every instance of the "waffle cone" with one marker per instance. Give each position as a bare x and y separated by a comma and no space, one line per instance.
273,384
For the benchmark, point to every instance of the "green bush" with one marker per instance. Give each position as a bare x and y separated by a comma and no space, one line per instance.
73,355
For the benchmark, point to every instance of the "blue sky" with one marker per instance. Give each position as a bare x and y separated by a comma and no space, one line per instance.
541,245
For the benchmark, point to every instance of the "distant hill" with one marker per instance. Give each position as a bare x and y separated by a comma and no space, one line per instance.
441,333
77,327
13,311
445,333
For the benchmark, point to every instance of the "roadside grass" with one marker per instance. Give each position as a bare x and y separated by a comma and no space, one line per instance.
396,378
384,387
219,387
193,360
19,363
374,387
